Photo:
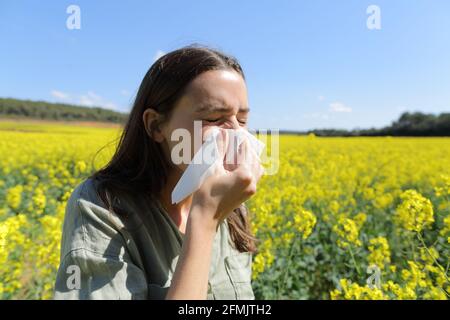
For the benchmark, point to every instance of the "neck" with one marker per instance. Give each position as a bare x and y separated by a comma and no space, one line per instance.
179,212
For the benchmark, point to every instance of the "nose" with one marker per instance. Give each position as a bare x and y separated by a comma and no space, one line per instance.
232,124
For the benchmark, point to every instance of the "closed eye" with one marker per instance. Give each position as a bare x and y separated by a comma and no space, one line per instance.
212,120
242,122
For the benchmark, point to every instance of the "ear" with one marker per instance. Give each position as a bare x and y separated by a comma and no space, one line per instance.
152,120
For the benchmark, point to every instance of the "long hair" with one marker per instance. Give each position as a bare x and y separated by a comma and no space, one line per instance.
139,164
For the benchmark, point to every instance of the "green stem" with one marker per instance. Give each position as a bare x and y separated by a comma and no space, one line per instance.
432,257
291,252
353,259
413,248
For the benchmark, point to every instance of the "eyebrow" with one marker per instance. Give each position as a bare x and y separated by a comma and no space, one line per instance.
218,107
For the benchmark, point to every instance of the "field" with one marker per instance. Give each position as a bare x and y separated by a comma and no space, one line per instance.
341,212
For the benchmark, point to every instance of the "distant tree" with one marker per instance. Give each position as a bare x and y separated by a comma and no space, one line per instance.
57,111
408,124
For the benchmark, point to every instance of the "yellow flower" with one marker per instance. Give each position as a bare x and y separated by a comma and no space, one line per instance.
353,291
80,167
39,199
348,232
287,237
360,218
399,292
415,212
415,277
383,201
3,234
263,259
334,207
304,222
446,228
435,293
444,189
14,196
380,254
428,256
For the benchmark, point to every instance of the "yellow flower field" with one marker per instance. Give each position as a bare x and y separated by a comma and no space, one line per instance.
344,218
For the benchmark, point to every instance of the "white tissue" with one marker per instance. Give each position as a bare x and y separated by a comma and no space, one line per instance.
207,159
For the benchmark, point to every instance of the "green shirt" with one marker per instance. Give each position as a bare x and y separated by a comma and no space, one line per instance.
133,256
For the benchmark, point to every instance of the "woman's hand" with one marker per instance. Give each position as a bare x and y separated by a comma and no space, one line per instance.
229,187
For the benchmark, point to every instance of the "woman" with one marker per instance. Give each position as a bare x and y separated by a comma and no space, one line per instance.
122,236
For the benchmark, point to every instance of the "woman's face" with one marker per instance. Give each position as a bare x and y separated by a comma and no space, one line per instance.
216,98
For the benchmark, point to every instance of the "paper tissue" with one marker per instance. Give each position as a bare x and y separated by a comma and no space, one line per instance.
207,158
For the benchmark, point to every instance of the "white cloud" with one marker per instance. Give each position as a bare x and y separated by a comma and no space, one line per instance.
158,55
320,98
59,95
339,107
90,99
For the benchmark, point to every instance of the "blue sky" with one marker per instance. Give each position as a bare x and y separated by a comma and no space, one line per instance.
309,64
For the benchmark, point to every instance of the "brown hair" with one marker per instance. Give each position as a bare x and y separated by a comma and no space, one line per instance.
139,164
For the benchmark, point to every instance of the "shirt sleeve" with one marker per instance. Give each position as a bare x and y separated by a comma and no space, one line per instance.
88,275
95,261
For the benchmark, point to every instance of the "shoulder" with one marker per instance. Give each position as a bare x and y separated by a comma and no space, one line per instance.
88,224
85,203
86,190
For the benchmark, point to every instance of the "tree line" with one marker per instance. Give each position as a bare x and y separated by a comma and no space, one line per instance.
408,124
15,108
